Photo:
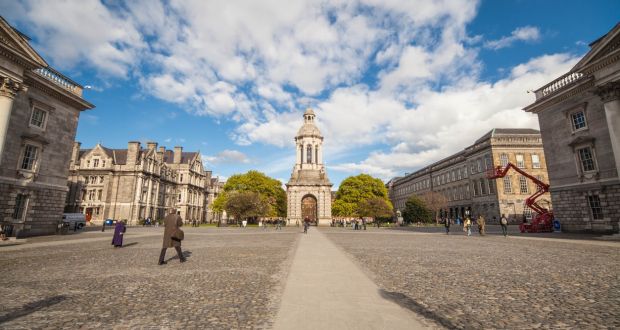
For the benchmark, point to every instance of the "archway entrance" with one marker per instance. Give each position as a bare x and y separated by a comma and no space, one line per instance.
309,208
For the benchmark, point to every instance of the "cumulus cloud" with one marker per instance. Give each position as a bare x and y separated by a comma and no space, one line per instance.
227,157
524,33
400,78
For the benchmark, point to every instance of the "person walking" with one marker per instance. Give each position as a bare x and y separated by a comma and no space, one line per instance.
119,231
278,224
172,236
467,225
504,223
364,223
447,224
481,225
306,225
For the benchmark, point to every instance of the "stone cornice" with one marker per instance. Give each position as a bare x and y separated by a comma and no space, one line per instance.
609,92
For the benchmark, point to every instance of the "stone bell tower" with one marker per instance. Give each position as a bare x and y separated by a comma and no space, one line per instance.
309,190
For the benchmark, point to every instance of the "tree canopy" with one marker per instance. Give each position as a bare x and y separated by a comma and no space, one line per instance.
355,190
416,210
245,204
375,207
435,202
269,189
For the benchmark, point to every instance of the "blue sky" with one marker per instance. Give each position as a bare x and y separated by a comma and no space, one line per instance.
395,84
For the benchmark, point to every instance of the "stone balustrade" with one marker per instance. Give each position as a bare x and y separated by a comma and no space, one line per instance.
60,80
564,81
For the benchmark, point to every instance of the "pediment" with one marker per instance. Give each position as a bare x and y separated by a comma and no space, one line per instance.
600,48
18,44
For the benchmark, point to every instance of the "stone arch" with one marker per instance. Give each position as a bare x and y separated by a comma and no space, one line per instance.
310,208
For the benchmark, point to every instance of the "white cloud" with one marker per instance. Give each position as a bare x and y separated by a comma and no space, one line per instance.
524,33
227,157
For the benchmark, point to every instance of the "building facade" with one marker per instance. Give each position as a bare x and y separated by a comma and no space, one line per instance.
39,111
579,116
462,177
308,191
137,183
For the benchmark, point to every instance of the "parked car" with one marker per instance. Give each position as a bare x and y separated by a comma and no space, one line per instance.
74,220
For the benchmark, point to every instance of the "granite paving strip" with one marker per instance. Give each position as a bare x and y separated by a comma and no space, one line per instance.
326,290
493,282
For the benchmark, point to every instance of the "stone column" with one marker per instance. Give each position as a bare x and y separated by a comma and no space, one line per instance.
8,90
610,95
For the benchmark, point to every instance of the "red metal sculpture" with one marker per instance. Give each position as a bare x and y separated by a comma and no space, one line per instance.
543,221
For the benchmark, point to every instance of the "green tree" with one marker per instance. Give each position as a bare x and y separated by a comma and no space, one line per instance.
342,209
375,207
435,202
356,189
269,189
416,210
246,204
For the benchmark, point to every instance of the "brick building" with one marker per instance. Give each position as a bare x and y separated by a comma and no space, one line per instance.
138,183
461,178
579,116
39,111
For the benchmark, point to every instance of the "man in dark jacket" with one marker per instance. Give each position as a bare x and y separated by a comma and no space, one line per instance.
172,222
447,223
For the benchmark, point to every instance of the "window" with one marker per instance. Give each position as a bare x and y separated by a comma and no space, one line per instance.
491,186
309,154
535,161
523,185
595,207
103,163
38,118
487,162
578,120
99,193
20,206
520,161
475,188
30,157
88,163
316,155
96,162
181,178
586,159
503,159
483,187
100,179
453,175
479,162
507,185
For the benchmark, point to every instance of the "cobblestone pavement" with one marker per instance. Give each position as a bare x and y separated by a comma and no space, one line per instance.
233,279
492,282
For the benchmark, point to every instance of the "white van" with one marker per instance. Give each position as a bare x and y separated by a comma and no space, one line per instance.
75,220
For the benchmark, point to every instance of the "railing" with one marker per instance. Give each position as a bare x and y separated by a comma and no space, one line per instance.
60,80
559,84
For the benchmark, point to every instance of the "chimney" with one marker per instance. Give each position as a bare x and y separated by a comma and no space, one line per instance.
75,153
151,145
162,149
178,151
133,152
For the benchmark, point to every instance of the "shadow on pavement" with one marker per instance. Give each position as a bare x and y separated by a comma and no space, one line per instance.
186,254
130,244
31,308
412,305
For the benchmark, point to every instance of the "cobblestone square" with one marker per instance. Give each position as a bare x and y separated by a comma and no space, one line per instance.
235,278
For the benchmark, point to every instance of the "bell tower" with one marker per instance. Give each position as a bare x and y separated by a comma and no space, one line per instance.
309,190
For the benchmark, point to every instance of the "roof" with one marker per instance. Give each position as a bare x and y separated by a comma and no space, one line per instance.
120,155
309,111
308,129
507,131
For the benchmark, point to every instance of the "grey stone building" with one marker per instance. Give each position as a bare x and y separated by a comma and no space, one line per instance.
138,183
308,191
579,116
461,178
39,111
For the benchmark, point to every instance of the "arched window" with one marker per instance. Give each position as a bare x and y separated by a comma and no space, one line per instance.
316,154
309,154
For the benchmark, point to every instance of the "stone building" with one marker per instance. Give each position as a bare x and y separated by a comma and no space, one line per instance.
39,111
308,191
579,116
138,183
461,178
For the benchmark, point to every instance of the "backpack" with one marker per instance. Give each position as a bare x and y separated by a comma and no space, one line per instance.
504,221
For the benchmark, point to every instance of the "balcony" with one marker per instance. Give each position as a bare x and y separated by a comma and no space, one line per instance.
60,80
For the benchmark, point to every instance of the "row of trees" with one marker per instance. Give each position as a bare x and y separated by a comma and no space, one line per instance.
253,195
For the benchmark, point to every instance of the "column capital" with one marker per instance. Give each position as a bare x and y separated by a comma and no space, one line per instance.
609,92
10,87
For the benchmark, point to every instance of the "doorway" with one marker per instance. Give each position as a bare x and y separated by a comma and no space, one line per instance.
309,208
